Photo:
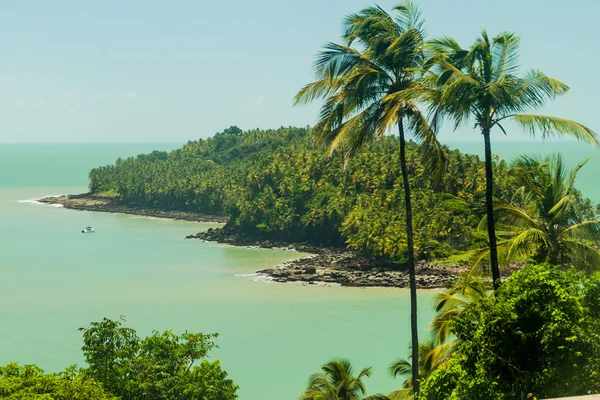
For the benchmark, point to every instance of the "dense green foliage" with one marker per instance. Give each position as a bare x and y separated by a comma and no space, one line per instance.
123,366
276,184
539,335
30,382
547,219
161,366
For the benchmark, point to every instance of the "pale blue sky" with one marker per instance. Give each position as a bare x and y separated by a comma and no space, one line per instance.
171,71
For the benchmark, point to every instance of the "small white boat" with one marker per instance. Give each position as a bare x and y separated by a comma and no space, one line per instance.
88,229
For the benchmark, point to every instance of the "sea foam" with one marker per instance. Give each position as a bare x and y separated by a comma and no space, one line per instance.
39,203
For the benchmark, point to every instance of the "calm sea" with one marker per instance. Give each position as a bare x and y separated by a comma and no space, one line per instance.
272,336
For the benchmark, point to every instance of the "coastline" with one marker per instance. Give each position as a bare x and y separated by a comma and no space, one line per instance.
99,203
334,265
326,265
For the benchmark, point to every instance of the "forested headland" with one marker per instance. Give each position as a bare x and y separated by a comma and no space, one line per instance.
277,185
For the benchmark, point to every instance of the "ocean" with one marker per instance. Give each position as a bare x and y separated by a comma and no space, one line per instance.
272,336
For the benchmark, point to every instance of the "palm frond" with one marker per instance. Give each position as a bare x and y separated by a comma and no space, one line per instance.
445,45
317,90
586,230
513,216
583,252
553,126
400,367
571,181
401,394
527,242
432,152
409,16
560,205
505,54
458,97
535,89
437,355
405,50
367,25
335,60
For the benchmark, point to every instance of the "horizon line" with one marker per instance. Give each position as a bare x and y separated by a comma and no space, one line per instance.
556,140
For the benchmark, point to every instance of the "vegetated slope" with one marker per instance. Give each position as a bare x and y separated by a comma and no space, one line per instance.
277,184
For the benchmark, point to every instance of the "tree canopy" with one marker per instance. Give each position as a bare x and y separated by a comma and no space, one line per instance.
276,184
123,366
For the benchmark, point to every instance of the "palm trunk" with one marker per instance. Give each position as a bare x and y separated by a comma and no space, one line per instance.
489,205
411,261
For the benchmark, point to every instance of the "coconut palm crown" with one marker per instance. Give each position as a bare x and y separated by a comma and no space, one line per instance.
337,382
546,219
358,81
481,84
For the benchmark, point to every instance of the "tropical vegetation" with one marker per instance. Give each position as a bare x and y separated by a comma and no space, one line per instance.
546,218
505,345
481,85
30,382
123,366
537,337
275,184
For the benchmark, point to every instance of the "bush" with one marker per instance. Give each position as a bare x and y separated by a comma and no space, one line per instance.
539,336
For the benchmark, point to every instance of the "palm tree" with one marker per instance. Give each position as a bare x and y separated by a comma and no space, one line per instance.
453,303
431,356
481,84
359,85
337,382
546,218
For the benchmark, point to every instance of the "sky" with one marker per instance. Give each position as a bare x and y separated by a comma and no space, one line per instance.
172,71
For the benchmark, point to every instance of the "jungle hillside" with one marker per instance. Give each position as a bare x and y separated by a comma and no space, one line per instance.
278,185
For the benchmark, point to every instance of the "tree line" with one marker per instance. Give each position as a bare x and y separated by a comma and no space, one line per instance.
275,184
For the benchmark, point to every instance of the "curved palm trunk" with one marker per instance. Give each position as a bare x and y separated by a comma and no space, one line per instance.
411,261
489,205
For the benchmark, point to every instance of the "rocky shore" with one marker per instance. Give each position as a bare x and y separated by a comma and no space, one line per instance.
325,265
92,202
337,265
342,269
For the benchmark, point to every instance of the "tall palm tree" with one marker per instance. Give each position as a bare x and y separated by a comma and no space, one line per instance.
337,382
547,220
482,84
358,81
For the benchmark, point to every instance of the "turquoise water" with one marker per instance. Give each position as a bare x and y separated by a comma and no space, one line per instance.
272,336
